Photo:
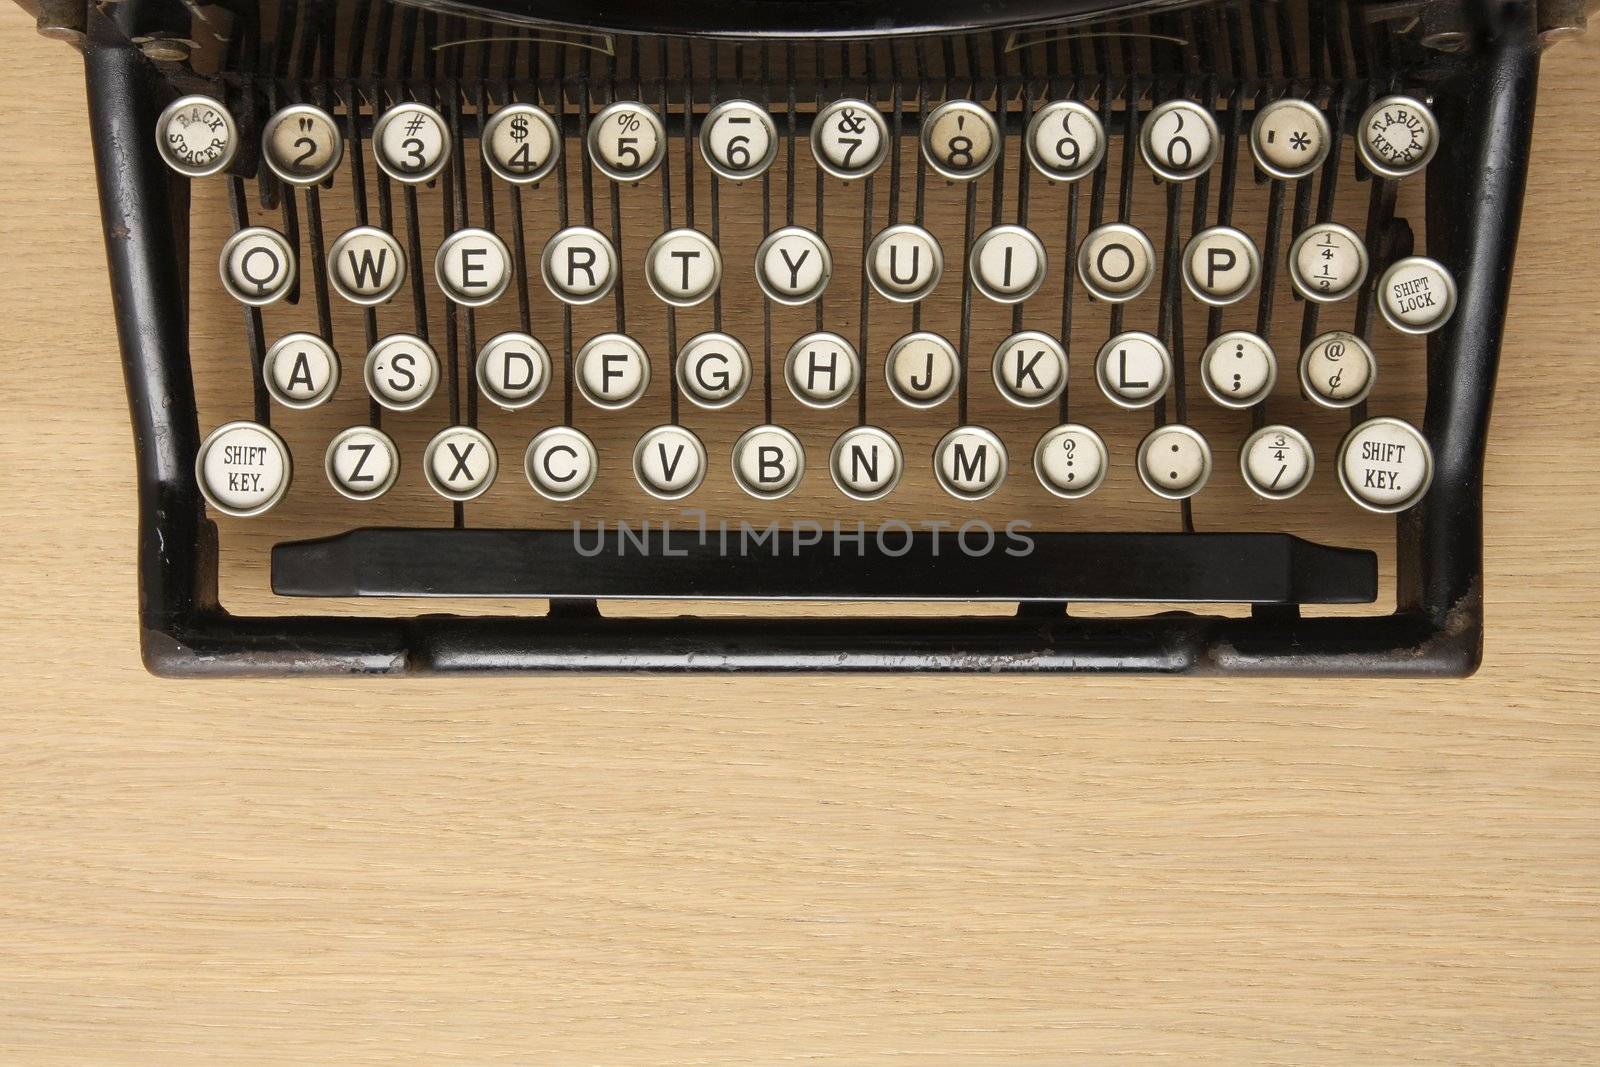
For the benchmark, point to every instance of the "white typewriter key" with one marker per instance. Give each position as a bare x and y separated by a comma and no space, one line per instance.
1174,461
683,267
713,370
302,144
961,140
669,462
1337,370
1385,465
1397,137
793,265
473,267
401,372
460,462
768,462
1070,461
922,370
366,265
521,143
512,370
627,141
243,469
1007,264
1116,262
849,139
560,463
1179,140
1238,369
1417,295
1134,369
579,265
1327,262
612,370
300,370
258,266
739,140
1290,138
1221,266
904,263
1030,368
411,143
866,462
822,369
362,463
970,462
1065,140
1277,462
197,136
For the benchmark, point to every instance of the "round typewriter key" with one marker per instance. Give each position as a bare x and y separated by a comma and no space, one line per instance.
1116,262
243,469
739,140
866,462
1179,140
521,143
302,144
362,463
849,139
960,140
627,141
1007,264
1290,138
904,263
1327,262
1239,369
1134,369
258,266
1030,368
922,370
1397,137
197,136
970,462
560,463
793,265
1417,295
822,370
1070,461
1174,462
401,372
612,370
1065,140
1221,266
411,143
366,265
683,267
473,267
512,370
1276,462
1337,370
1385,465
579,265
460,462
768,462
300,370
713,370
669,462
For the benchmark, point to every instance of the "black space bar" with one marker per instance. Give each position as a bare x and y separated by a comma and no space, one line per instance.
892,564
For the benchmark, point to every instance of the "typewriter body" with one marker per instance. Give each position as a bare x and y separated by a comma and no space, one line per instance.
769,336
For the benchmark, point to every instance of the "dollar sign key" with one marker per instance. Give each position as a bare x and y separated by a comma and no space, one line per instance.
519,129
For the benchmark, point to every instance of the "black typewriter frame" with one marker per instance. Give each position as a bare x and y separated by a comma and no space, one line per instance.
1474,201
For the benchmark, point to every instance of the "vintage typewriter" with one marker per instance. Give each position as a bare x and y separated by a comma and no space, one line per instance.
503,335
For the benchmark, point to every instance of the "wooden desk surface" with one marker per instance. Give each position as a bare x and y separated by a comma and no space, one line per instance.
849,871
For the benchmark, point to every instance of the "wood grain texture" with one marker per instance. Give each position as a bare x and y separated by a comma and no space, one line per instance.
845,871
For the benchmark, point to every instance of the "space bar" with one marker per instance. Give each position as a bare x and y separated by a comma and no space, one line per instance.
812,564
